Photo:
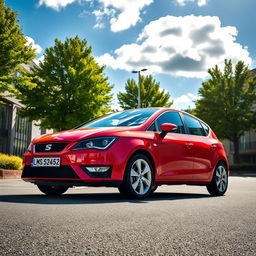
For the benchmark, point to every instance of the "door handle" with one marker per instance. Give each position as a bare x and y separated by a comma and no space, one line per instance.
189,145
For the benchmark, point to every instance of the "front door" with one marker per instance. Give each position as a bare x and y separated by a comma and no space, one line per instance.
175,157
174,150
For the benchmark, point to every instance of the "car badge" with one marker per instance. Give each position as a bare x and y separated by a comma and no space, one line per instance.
48,147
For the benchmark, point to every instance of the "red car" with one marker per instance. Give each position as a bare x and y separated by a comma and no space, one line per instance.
134,150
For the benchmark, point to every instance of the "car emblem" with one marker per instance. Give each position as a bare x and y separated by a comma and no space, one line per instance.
48,147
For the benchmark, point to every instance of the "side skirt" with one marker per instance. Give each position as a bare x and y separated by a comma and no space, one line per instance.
182,182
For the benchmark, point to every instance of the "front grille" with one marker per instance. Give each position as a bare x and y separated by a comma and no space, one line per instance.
64,171
50,147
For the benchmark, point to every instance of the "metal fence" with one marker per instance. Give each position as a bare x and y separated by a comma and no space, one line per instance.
245,146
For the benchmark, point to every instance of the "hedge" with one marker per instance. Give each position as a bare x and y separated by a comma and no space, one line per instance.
10,162
243,167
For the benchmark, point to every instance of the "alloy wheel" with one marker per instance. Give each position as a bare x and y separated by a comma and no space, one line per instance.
140,176
221,178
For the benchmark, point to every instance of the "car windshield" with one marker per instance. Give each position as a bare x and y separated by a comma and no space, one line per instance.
133,117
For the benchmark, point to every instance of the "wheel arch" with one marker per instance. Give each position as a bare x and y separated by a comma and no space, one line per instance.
147,154
223,161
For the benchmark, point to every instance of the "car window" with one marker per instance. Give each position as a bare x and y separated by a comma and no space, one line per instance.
194,126
173,118
206,128
133,117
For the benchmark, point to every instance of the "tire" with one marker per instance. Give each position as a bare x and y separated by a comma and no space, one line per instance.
154,188
52,190
219,183
122,191
138,177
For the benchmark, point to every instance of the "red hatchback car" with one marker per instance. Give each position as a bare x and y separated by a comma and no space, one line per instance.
134,150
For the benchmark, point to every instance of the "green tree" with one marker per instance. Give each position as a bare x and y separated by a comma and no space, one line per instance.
13,51
226,102
151,94
71,87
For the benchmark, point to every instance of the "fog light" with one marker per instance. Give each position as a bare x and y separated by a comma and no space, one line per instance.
97,168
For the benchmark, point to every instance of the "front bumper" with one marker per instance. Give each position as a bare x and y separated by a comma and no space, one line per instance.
74,183
63,172
73,167
66,175
73,164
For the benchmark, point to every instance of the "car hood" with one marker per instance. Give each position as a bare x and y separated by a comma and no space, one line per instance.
79,134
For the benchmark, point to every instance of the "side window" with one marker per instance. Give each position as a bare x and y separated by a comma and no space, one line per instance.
206,128
173,118
194,126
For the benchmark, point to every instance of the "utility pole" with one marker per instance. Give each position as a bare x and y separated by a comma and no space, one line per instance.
139,84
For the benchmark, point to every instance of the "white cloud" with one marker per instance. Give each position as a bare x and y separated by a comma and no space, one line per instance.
185,101
199,2
100,14
115,105
38,49
35,46
55,4
182,46
124,13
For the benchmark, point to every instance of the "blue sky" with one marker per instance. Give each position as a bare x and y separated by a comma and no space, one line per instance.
176,40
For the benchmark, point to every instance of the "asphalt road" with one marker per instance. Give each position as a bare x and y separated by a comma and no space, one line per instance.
176,220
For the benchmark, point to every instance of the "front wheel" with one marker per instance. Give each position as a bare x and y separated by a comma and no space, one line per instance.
154,188
52,190
219,183
138,178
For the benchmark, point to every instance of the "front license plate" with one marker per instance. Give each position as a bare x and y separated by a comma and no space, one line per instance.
45,162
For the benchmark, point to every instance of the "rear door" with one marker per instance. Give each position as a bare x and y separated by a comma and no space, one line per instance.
203,148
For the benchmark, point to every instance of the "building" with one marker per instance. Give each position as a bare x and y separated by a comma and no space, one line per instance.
247,146
16,132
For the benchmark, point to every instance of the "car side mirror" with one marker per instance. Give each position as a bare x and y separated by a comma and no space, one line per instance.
167,127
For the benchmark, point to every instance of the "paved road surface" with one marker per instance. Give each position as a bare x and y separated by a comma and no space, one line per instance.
176,220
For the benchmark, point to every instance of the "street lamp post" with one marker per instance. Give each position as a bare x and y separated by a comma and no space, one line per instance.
139,85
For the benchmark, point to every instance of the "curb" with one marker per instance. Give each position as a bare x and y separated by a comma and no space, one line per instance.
10,174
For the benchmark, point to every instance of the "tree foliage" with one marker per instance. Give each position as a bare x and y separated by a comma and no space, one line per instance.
151,94
71,87
13,51
226,102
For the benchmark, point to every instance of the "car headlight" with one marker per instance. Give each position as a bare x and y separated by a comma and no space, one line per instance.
101,143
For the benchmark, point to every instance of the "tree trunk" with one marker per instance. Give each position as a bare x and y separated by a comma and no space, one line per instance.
236,150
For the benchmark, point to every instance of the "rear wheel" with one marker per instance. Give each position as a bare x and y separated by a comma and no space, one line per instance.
52,190
219,183
138,178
